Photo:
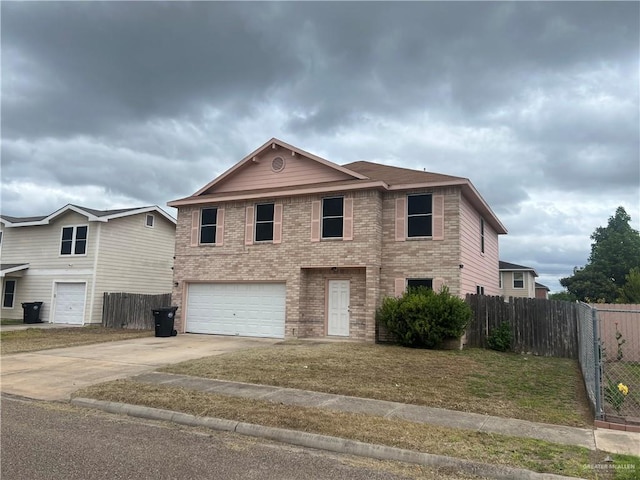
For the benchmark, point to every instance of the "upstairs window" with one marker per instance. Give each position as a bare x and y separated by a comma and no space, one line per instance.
419,215
149,221
518,280
9,293
264,222
208,218
482,235
74,240
479,290
332,217
500,280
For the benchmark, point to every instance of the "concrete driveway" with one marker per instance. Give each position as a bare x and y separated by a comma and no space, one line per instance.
55,374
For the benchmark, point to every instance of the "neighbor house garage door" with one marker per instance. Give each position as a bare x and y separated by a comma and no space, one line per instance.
69,303
245,309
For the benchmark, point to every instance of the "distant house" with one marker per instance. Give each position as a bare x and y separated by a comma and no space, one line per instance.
68,259
517,280
542,291
288,244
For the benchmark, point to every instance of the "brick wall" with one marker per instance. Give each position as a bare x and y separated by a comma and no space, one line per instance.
372,260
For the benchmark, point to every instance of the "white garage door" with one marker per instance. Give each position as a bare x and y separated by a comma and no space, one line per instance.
69,302
245,309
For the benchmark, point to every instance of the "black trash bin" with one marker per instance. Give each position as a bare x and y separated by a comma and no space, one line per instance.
31,312
164,321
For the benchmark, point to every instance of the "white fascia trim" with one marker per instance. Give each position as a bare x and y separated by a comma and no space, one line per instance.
14,269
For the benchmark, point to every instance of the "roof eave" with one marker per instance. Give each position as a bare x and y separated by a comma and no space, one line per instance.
197,200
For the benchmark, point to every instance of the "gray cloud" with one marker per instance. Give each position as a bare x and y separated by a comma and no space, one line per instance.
115,103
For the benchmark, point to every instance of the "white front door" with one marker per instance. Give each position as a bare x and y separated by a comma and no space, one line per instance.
69,299
338,308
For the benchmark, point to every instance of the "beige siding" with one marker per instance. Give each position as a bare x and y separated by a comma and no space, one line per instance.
134,258
529,290
298,170
40,247
479,269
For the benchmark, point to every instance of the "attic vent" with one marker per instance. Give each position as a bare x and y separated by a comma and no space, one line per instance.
277,164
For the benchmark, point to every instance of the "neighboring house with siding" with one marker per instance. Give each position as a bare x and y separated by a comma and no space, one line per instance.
288,244
68,259
517,280
542,291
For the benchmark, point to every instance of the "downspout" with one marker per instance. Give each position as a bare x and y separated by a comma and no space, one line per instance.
95,271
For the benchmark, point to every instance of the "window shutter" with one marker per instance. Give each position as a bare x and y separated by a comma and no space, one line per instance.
277,223
401,218
220,227
347,233
438,283
399,286
248,226
438,217
315,221
195,227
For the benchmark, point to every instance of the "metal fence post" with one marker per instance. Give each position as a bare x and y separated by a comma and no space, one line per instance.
597,365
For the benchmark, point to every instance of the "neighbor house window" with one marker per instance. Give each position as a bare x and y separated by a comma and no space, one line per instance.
208,217
74,240
482,235
332,217
479,290
9,293
419,215
500,280
420,282
149,221
518,280
264,222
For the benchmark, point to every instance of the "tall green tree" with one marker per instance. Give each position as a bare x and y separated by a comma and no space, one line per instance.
630,291
614,252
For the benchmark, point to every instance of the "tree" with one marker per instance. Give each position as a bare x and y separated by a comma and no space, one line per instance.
615,251
564,296
630,291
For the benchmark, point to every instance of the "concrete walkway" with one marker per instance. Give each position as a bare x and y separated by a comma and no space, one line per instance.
605,440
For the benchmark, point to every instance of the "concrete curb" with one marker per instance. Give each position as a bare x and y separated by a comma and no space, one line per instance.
320,442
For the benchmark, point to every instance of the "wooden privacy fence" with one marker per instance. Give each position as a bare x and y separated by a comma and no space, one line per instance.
132,310
624,320
539,326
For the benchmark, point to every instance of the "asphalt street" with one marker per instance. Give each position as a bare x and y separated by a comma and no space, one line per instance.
43,440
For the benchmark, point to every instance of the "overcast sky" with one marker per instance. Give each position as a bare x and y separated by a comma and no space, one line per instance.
124,104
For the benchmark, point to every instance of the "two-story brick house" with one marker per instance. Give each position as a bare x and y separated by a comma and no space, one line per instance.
287,244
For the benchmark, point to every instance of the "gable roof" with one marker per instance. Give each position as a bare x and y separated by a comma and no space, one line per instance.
541,286
91,214
361,175
512,267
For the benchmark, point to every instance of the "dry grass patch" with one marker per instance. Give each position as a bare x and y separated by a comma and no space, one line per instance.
33,339
485,447
541,389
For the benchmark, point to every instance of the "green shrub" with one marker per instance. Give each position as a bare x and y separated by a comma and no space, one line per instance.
500,338
424,319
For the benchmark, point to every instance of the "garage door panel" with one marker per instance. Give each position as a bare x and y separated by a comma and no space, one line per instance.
69,303
244,309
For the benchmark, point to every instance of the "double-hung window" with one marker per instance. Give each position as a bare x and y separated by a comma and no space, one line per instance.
419,215
518,280
482,235
208,218
74,240
9,293
332,217
264,222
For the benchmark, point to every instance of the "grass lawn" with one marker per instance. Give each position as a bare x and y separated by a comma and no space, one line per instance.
33,339
540,389
490,448
10,321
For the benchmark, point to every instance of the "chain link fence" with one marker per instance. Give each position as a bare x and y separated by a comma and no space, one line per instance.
589,355
619,339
